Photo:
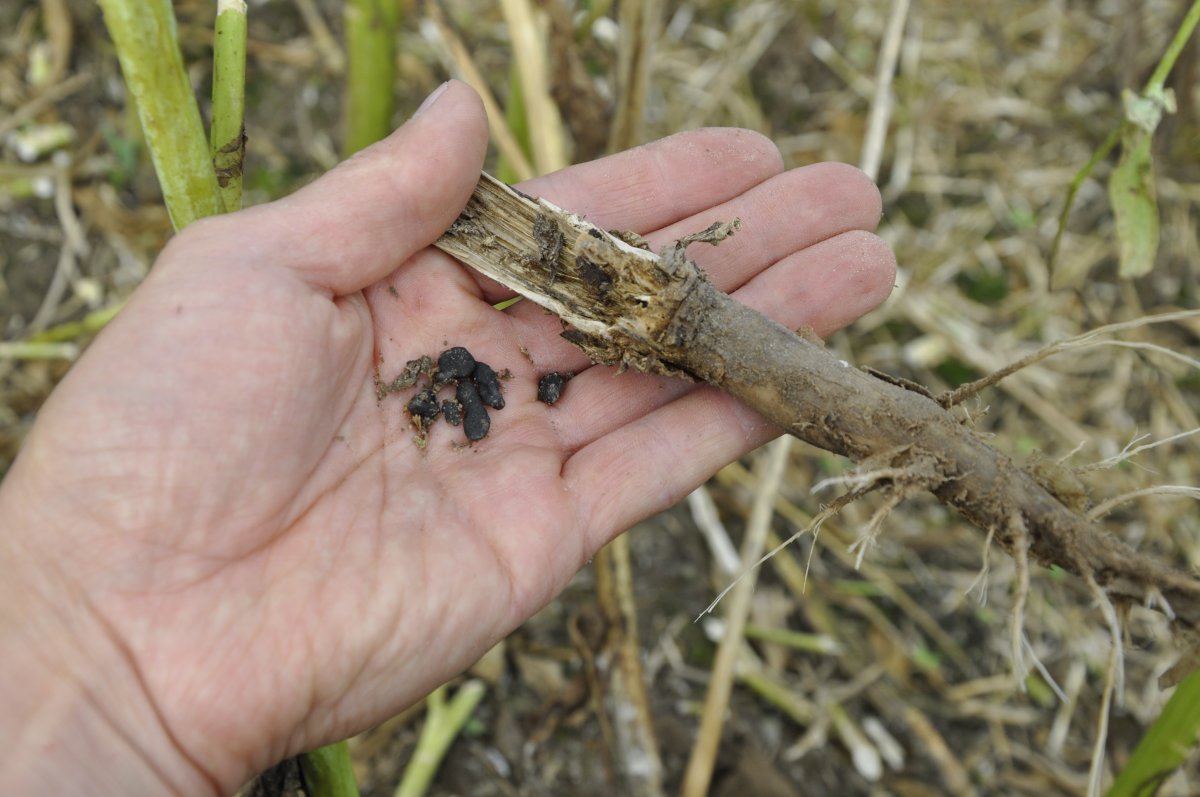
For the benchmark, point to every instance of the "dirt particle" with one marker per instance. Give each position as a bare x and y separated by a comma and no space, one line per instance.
550,386
413,370
425,405
452,411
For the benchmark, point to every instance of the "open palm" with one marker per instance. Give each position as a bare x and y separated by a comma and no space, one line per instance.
259,532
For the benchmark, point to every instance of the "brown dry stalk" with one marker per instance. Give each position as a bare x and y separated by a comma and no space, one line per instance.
627,306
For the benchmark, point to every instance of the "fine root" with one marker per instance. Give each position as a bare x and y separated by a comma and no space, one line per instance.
1020,553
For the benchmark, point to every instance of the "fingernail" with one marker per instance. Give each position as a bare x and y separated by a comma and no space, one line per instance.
431,99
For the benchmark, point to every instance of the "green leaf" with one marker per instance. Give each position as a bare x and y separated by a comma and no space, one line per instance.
1165,745
1131,187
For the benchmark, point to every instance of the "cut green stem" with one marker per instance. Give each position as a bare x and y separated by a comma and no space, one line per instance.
228,137
144,35
328,772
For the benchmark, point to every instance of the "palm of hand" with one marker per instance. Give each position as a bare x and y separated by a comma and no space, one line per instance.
257,527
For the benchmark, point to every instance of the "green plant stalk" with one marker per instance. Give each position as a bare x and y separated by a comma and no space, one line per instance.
1076,183
1171,54
797,640
228,136
328,772
518,122
91,323
371,76
442,724
144,35
26,350
1166,744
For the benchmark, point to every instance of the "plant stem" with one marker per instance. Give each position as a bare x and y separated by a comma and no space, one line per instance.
90,323
769,472
328,772
1171,55
27,350
639,23
442,724
1076,183
658,313
541,114
228,136
371,47
518,122
144,35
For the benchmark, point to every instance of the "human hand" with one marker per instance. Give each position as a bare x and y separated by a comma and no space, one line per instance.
231,548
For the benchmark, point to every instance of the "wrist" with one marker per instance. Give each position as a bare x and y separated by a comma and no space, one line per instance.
74,716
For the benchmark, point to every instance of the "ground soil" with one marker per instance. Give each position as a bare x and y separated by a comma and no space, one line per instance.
997,105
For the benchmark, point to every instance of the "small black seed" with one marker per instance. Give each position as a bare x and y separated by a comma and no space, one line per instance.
550,387
425,405
476,422
489,386
452,411
456,363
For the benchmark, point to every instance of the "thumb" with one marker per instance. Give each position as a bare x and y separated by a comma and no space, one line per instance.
358,222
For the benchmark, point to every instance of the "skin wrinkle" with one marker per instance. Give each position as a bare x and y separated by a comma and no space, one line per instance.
125,652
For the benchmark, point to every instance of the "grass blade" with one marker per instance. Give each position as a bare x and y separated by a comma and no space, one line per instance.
1166,744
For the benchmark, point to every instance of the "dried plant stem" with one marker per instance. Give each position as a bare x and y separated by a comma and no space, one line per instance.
529,50
630,307
639,22
464,66
1093,337
704,752
882,101
626,700
322,38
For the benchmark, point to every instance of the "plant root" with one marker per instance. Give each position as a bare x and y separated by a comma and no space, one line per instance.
628,307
